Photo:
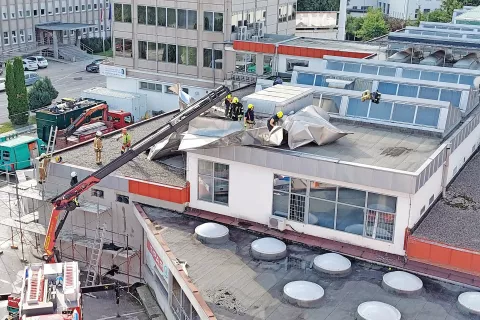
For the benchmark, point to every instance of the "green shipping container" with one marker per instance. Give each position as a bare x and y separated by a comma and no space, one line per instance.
46,119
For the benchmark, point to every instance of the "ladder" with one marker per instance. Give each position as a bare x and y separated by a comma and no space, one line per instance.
92,268
52,137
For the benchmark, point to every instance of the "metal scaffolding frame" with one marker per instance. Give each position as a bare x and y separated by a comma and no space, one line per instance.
23,202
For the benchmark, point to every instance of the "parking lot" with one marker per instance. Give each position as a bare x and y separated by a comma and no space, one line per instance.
63,78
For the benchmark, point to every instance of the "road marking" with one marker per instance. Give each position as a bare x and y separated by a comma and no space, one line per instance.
122,315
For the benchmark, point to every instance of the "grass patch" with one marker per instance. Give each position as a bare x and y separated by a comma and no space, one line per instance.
108,53
8,126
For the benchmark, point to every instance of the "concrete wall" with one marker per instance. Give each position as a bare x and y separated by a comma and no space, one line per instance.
251,197
314,63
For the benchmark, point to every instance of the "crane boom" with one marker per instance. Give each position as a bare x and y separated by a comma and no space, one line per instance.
80,120
65,201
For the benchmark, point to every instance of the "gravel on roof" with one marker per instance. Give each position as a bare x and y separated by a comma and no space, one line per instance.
139,168
455,220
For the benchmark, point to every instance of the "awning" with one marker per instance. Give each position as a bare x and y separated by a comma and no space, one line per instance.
59,26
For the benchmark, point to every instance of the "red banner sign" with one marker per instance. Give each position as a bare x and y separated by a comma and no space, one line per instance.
155,256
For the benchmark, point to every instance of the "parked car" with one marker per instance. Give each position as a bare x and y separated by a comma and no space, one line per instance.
29,65
94,66
39,60
31,78
2,84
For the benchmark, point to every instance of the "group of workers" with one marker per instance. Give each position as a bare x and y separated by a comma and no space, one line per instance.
98,144
234,110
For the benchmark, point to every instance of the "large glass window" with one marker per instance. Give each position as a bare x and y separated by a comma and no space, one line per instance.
466,80
213,21
187,55
334,65
369,69
385,71
142,14
171,18
410,74
388,88
121,12
381,110
151,16
305,78
182,18
142,49
192,19
213,181
427,116
161,17
210,55
407,91
351,67
357,108
428,93
123,47
449,77
403,113
152,51
430,76
354,211
162,52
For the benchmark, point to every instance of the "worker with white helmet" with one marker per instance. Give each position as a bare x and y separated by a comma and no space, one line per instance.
97,147
73,182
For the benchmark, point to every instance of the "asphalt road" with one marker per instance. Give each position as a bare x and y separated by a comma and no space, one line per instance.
62,76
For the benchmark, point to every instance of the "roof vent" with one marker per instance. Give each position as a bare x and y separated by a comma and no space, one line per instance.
402,283
333,264
268,249
211,232
469,303
375,310
303,293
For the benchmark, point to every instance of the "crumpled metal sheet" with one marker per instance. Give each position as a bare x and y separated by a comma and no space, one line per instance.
306,126
311,124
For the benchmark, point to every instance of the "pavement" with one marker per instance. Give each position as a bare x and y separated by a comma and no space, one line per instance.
62,76
238,287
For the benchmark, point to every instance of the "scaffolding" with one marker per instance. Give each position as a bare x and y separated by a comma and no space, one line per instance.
25,209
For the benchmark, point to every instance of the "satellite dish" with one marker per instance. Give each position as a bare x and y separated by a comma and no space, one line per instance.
476,82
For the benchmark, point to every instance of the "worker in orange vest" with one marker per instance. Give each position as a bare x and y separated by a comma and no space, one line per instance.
126,140
97,147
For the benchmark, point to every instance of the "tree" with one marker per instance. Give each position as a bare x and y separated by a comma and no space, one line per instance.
16,92
449,5
352,26
318,5
373,26
41,94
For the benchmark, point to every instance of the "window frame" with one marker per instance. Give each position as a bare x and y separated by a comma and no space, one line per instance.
214,180
368,210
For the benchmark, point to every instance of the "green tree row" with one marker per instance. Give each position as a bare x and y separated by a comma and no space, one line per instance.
20,102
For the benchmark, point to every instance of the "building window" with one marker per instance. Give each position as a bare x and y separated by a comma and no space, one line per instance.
210,55
123,199
282,13
4,15
122,12
142,49
354,211
213,21
42,12
27,13
97,193
123,47
83,7
187,19
213,181
12,13
64,9
142,14
14,37
187,55
20,13
89,6
5,38
57,10
151,86
90,29
77,9
95,6
22,35
151,16
161,17
29,36
171,18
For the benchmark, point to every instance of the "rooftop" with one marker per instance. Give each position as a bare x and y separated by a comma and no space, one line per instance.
18,140
370,145
235,286
472,15
140,168
458,211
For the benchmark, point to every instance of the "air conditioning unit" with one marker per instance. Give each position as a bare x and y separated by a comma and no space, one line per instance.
242,33
259,28
276,222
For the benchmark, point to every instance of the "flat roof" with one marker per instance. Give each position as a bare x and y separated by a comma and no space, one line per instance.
139,168
371,145
18,140
455,220
470,15
235,286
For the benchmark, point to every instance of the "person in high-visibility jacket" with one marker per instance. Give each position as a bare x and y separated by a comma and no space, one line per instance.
237,109
42,167
97,147
273,121
249,117
228,102
126,140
